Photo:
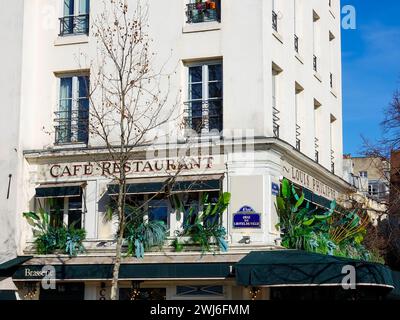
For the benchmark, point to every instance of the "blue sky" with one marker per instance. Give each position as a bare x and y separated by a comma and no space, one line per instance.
371,69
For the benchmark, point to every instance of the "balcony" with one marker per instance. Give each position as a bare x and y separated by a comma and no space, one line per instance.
72,127
275,21
316,142
204,116
74,25
296,43
298,140
275,120
207,11
315,63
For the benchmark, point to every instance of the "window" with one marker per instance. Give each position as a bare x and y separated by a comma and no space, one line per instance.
66,211
316,43
332,130
332,56
364,174
198,11
317,129
298,113
373,189
275,100
274,16
297,24
75,18
73,112
160,208
204,111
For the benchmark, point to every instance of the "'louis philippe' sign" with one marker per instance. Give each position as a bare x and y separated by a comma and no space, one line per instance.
305,180
108,168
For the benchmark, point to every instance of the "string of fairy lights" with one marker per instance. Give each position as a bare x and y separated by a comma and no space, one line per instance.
254,292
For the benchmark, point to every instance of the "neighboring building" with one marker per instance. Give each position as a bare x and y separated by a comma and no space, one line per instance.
281,81
11,35
371,176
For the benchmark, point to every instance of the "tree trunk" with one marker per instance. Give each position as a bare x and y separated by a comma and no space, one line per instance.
117,264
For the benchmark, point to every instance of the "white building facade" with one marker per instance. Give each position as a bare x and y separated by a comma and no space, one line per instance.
272,72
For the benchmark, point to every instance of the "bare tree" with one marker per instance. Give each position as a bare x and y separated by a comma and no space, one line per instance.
129,97
388,229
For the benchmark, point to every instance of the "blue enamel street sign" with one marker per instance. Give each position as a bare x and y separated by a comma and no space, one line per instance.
275,189
246,218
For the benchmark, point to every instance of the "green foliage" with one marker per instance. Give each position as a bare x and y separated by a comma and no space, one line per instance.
49,239
204,228
144,236
177,245
320,231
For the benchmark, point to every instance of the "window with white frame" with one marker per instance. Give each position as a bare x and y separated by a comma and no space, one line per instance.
66,211
364,174
204,108
198,11
72,117
75,17
373,189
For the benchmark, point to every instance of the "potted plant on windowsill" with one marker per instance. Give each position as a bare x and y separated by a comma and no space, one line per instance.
54,240
203,230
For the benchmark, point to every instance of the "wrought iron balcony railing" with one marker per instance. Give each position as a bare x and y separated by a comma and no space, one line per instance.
316,150
296,43
275,120
204,116
298,134
275,21
74,25
203,11
315,63
72,126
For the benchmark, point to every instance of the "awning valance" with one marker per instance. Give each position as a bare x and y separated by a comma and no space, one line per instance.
316,199
181,184
137,271
59,190
299,268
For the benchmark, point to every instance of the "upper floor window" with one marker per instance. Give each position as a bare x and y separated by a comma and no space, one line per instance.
72,117
205,88
203,11
364,174
75,18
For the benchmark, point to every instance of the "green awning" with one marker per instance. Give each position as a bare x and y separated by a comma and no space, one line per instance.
8,268
316,199
59,190
160,186
300,268
395,294
136,271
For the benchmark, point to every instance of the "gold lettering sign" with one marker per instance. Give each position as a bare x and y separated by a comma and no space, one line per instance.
108,168
305,180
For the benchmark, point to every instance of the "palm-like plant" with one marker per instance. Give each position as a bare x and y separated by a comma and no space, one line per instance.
332,232
204,227
145,236
49,239
140,234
